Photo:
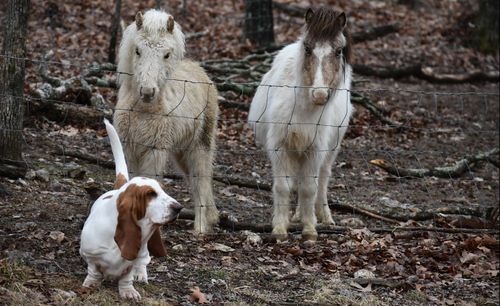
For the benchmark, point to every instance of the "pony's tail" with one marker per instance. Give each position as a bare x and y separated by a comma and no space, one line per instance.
120,163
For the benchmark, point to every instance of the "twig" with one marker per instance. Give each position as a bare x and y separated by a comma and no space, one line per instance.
454,171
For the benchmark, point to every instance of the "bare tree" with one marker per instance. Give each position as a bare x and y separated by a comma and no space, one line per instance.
487,26
115,27
259,22
11,87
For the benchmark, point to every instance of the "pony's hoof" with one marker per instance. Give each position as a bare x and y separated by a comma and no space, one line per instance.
280,235
310,236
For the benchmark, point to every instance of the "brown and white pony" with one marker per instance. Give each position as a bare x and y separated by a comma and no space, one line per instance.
300,113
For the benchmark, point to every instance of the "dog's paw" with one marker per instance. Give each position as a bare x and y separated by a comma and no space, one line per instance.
141,274
91,282
130,294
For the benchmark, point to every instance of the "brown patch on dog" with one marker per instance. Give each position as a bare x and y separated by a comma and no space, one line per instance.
120,181
155,244
131,205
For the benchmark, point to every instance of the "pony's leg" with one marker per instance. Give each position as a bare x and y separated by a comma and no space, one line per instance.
307,191
282,170
296,215
323,212
200,175
152,164
182,163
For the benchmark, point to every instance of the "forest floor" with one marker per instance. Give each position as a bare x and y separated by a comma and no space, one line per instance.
41,215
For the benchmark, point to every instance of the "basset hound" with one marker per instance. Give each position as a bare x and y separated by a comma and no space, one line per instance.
123,227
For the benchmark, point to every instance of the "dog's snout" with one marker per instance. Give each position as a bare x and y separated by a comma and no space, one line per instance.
147,93
176,207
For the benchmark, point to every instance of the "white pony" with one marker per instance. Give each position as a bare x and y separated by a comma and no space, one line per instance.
300,114
167,108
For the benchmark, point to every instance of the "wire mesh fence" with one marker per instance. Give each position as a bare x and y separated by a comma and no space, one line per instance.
432,169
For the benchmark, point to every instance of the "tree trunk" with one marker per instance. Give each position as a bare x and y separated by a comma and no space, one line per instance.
487,26
259,22
115,27
12,80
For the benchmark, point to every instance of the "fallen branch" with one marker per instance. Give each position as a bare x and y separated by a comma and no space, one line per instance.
12,169
68,113
357,37
228,223
425,73
454,171
350,208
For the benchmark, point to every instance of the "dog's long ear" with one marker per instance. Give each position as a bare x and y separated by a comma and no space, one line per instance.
155,244
131,205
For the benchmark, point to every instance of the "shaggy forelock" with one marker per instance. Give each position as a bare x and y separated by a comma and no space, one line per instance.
323,28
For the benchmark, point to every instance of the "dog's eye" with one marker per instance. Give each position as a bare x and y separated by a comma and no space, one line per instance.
167,55
137,52
152,194
338,52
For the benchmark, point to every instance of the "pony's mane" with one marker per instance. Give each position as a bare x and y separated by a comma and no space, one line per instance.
153,29
323,27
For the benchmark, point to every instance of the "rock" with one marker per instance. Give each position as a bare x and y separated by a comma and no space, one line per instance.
252,238
57,236
3,191
74,171
22,182
21,226
30,175
58,187
63,294
352,222
16,256
363,273
42,175
178,247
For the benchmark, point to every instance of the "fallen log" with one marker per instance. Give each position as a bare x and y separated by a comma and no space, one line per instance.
12,169
229,223
426,73
453,171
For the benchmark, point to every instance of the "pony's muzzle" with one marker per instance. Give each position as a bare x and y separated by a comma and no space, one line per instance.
320,96
147,93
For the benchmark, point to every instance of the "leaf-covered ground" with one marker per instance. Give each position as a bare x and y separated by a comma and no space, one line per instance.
41,216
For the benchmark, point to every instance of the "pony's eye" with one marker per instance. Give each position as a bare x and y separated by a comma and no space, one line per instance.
308,50
338,52
137,52
167,55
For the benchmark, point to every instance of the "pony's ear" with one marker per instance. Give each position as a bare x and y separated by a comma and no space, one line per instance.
138,20
309,15
155,244
170,24
341,20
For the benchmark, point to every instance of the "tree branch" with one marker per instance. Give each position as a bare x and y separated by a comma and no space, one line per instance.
454,171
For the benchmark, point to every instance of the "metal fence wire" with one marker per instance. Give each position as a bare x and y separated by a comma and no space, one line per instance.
435,129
